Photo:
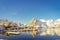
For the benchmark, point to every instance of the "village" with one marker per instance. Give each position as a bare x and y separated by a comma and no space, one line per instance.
10,28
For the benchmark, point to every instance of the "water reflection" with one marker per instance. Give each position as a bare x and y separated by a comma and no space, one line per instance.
25,36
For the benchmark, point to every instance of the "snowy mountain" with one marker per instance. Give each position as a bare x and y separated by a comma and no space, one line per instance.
51,23
36,23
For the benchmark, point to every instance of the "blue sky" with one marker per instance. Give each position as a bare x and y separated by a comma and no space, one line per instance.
25,10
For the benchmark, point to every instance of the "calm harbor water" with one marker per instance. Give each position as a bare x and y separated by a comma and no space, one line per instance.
29,37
